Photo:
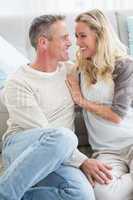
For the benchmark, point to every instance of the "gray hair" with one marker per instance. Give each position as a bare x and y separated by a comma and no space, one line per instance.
42,26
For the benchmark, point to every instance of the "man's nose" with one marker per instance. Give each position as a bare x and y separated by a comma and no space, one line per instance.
69,43
78,41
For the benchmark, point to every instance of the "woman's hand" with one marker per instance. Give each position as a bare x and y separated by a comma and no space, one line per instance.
96,171
73,85
93,107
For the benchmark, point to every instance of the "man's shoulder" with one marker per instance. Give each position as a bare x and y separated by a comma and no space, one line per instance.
68,66
17,76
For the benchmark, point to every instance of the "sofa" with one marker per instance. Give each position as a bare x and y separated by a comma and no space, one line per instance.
14,29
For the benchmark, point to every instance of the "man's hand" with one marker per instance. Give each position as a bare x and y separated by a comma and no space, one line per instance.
96,171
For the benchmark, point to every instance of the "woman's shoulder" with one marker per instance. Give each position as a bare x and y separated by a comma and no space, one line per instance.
123,67
124,63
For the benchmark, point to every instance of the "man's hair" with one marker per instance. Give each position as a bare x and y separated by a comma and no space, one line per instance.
42,26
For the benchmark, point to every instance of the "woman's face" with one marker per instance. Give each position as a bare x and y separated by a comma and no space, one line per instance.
86,39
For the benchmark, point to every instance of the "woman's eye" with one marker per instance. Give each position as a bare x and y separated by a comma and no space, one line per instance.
80,36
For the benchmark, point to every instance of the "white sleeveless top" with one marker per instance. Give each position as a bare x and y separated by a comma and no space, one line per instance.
103,134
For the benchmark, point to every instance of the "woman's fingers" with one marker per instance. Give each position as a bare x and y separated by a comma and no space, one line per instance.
102,176
97,170
106,170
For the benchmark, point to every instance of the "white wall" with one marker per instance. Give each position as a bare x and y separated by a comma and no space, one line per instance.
14,6
32,6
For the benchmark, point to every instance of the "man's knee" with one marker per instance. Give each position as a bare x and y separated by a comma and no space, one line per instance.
68,135
59,138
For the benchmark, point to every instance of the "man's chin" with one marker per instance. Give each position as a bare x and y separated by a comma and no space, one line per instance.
65,59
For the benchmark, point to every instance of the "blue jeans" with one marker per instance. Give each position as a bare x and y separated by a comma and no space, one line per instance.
35,171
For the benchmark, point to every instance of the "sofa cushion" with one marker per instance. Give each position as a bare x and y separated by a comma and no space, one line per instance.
122,24
130,33
16,34
112,19
3,118
10,58
3,77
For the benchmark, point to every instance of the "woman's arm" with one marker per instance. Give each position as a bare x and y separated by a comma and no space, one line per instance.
99,109
123,93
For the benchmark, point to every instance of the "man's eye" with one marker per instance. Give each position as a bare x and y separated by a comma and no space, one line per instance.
76,35
82,36
65,37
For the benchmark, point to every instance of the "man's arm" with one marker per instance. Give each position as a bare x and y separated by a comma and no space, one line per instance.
22,106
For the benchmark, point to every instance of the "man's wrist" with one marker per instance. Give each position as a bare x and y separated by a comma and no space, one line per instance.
83,164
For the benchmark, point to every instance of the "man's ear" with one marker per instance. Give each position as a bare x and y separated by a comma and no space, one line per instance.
42,42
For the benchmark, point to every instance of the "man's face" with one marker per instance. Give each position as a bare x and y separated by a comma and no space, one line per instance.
60,42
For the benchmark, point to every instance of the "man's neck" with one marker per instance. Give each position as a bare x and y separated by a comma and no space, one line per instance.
44,65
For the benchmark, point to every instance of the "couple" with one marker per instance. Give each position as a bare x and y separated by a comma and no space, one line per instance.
40,148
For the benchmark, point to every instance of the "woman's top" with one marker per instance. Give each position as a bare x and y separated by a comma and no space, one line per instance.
118,95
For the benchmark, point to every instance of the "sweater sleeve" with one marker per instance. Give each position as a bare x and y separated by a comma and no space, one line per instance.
77,159
22,106
123,92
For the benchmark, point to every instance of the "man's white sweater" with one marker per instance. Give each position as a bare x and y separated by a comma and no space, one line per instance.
38,99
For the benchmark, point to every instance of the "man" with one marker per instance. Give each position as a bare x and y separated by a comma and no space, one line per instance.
40,148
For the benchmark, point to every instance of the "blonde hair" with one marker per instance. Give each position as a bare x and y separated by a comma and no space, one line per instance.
108,47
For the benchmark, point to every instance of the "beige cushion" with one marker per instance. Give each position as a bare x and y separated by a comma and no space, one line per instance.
130,33
122,24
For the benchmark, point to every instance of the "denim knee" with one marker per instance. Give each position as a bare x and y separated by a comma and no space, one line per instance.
77,192
62,140
61,135
68,136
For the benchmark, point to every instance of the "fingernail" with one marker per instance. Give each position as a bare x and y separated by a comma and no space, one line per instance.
107,182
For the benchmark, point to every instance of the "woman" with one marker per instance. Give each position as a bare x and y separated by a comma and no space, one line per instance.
106,94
